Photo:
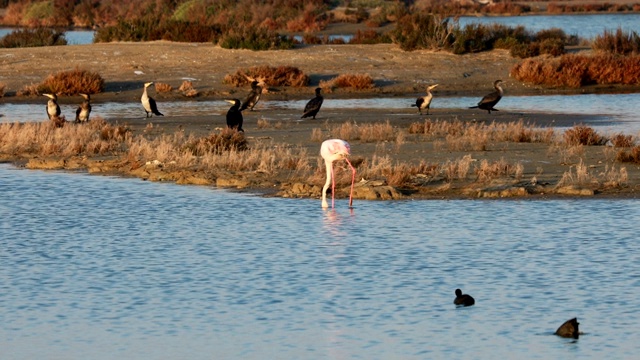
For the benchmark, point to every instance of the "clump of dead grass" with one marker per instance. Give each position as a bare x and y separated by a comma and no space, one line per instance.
163,87
632,155
271,76
352,81
582,135
350,130
581,176
225,140
187,89
488,171
72,82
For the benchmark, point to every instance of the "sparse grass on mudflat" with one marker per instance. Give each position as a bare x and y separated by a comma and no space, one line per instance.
351,131
72,82
272,76
574,70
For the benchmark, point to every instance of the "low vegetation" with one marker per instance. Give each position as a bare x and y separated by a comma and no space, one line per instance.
351,81
619,42
271,76
72,82
32,38
574,70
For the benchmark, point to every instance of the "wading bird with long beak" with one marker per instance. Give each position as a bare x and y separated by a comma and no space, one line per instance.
313,106
53,109
84,110
424,102
234,115
334,150
490,100
148,103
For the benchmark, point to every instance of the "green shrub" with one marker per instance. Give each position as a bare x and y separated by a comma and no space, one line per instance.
33,38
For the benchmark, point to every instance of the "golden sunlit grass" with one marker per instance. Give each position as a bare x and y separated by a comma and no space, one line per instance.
574,70
163,87
582,135
353,81
187,89
272,76
71,82
580,174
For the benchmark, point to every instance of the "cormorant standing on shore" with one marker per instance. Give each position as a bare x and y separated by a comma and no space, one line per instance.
84,110
148,103
313,106
234,116
254,96
53,109
490,100
424,102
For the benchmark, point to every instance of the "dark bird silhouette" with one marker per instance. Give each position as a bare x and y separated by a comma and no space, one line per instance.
84,110
148,103
463,299
569,329
313,106
424,102
490,100
253,97
53,109
234,115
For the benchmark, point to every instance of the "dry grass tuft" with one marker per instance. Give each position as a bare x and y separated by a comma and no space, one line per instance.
226,140
632,156
353,81
621,140
273,76
163,87
582,135
488,171
610,177
621,42
187,89
71,82
365,133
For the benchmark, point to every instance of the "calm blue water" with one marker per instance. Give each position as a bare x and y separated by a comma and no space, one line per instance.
617,112
106,268
584,25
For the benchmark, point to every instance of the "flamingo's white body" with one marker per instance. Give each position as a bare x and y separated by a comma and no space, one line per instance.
333,150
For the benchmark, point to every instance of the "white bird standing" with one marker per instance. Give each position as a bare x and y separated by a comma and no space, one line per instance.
333,150
149,103
424,102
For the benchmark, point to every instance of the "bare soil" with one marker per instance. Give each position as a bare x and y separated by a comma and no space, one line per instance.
126,66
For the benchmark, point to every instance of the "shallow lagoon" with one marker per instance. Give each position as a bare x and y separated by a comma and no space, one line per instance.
102,268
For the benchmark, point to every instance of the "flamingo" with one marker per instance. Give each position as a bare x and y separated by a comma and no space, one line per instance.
333,150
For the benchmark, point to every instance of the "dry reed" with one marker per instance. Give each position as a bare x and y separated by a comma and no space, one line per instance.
163,87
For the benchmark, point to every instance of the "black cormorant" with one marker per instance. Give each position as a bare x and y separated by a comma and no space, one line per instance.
463,299
148,103
84,110
254,96
313,106
234,116
53,109
490,100
424,102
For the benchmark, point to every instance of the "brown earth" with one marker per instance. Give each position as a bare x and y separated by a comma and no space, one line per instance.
126,66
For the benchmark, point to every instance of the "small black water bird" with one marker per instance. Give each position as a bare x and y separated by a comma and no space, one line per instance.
253,97
234,115
490,100
148,103
84,110
569,329
463,299
313,106
424,102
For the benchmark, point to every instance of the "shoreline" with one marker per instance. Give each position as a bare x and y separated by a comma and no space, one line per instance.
396,73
